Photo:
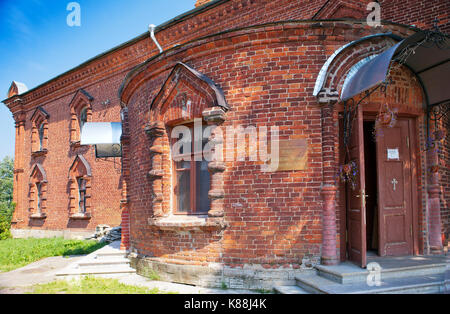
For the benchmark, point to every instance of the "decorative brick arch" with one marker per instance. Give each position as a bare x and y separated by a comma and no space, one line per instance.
39,123
80,169
185,95
80,101
37,194
181,80
337,9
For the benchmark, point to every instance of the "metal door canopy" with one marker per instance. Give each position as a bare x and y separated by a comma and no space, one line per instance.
430,63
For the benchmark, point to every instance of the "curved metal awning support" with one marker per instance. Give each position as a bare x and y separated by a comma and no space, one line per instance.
323,71
426,54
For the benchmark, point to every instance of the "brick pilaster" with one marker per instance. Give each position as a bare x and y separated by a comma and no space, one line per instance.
434,210
125,213
329,188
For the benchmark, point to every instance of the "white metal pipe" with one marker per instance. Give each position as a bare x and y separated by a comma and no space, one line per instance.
151,29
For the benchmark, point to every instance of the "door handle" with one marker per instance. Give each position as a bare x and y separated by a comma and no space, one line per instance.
363,197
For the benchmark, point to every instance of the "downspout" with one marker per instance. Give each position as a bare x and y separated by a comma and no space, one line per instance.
151,29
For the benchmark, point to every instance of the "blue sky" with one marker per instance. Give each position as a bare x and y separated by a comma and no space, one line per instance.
36,44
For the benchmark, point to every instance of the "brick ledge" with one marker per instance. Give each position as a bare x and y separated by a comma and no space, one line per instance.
38,216
186,222
80,216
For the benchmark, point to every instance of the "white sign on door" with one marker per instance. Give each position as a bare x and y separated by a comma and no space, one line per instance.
393,154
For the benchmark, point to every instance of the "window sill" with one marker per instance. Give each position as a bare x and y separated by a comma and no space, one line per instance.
38,216
186,222
39,153
80,216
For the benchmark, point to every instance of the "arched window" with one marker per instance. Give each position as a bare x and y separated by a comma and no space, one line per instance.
80,189
38,192
81,195
83,118
39,132
197,184
41,136
80,113
191,176
39,196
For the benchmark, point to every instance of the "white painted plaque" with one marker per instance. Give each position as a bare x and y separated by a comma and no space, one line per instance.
393,154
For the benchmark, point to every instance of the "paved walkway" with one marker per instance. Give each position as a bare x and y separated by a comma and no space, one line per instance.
169,287
44,271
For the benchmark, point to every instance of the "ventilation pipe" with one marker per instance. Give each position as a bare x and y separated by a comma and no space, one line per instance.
151,29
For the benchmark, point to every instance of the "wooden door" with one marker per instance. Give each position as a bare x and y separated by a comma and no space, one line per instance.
356,196
394,167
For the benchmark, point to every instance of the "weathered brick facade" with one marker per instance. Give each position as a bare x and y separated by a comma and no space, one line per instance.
263,58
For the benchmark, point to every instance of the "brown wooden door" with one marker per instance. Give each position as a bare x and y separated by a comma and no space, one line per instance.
394,169
356,211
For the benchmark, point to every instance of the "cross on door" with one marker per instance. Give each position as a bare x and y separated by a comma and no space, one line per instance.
394,182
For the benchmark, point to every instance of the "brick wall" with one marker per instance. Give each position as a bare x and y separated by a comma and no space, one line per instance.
420,13
445,178
106,182
102,76
267,78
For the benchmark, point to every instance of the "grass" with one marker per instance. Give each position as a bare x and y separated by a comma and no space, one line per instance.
153,275
16,253
90,285
264,291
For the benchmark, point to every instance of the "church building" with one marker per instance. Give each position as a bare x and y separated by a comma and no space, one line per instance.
250,140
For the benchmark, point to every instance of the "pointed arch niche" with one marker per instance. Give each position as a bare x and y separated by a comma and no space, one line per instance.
37,194
185,96
79,185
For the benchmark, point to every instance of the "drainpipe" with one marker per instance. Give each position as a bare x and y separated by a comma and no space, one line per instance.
151,29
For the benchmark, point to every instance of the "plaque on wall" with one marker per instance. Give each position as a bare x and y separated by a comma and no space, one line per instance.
293,155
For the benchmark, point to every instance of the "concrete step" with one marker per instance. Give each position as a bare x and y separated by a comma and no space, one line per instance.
108,255
122,269
314,283
348,273
104,262
107,261
289,290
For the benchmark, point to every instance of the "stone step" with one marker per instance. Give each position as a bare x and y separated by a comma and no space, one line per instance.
118,269
109,257
314,283
110,253
104,262
107,261
348,273
289,290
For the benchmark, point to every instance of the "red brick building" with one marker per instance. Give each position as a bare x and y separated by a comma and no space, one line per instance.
353,175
